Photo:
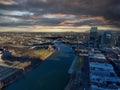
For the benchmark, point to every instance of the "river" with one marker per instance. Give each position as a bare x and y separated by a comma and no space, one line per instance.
52,74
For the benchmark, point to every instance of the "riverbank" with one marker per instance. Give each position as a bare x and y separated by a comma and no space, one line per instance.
21,68
75,72
52,74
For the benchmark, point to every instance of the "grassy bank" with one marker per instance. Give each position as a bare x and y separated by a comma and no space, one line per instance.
78,63
42,54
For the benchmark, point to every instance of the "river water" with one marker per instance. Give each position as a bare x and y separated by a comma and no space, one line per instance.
52,74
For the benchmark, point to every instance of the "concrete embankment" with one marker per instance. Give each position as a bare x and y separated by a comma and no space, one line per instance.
71,70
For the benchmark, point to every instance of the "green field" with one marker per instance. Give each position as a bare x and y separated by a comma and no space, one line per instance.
42,53
78,63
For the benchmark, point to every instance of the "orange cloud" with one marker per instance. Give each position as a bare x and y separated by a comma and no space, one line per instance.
58,15
100,18
38,28
7,2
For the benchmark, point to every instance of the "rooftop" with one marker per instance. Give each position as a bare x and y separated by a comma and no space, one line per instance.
101,65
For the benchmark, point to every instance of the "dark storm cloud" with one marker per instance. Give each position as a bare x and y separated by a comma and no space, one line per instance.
95,7
109,9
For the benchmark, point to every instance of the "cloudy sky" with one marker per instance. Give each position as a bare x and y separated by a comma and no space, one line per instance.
59,15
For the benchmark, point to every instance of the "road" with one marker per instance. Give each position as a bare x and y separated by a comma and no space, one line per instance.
86,76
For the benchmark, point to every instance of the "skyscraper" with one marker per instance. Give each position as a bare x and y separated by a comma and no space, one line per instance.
118,40
93,36
108,39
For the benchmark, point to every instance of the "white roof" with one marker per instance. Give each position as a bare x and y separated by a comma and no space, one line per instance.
97,56
103,73
94,87
101,65
104,79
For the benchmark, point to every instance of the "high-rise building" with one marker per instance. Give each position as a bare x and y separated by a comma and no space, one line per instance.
93,36
118,40
108,39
